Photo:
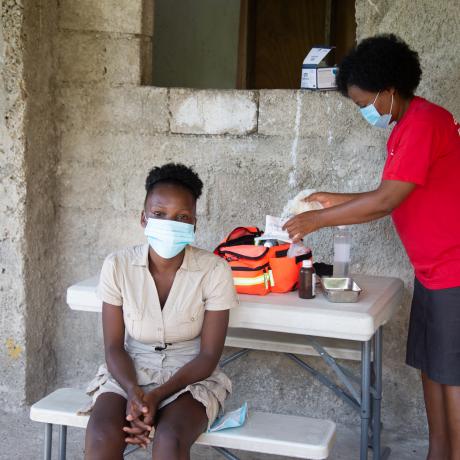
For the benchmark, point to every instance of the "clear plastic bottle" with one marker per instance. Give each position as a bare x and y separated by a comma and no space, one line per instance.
342,245
307,280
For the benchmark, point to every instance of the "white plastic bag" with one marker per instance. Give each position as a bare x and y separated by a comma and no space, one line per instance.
297,205
273,225
297,249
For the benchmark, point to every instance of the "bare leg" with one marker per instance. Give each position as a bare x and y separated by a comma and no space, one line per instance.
180,423
105,438
437,421
452,409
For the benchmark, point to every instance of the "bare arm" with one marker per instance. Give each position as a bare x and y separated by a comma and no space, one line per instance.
362,207
213,336
328,199
119,363
121,366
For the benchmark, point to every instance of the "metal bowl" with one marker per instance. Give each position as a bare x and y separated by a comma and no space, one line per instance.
340,290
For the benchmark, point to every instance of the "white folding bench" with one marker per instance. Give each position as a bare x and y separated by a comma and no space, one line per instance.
267,433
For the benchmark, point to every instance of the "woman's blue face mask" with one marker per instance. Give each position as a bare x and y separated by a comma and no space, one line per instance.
373,117
168,237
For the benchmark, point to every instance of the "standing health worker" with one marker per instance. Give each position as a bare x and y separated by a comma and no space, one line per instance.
420,188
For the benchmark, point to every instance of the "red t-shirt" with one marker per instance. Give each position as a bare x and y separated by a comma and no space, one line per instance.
424,149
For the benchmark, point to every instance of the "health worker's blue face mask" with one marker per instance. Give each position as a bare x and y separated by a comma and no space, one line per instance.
168,237
373,117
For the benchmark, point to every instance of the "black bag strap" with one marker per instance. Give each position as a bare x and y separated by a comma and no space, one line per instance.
283,253
306,256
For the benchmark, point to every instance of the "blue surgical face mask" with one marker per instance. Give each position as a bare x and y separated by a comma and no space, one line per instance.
231,419
373,117
168,237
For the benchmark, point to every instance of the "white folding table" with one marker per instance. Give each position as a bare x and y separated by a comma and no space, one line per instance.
314,319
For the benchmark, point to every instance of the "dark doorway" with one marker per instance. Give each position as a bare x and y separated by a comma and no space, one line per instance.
246,44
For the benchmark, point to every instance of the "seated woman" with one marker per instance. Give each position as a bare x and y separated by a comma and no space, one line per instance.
165,315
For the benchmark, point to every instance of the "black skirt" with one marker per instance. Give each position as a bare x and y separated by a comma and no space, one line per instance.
433,343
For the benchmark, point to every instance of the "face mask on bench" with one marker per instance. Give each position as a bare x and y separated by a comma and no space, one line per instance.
231,419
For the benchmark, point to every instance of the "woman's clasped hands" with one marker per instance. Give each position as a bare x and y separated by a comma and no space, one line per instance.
141,409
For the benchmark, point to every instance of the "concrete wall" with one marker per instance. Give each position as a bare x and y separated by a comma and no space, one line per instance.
196,43
12,209
253,150
27,200
41,200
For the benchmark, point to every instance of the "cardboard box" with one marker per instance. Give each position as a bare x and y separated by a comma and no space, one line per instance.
315,74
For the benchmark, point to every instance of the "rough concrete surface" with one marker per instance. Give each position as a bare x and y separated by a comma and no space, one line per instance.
122,16
213,112
133,111
41,200
78,136
12,209
94,58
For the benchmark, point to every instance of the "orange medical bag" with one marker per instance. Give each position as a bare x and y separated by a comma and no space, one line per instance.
259,270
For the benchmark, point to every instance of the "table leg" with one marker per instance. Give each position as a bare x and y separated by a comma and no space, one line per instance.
377,398
365,396
62,442
48,440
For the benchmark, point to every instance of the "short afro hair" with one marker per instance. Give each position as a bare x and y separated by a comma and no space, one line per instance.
177,174
379,63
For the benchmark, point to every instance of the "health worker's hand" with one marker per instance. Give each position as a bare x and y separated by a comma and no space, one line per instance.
326,199
301,225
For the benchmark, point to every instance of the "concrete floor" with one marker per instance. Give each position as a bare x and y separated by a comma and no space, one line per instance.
22,439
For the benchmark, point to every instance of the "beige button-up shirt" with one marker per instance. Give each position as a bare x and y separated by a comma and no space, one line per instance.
203,282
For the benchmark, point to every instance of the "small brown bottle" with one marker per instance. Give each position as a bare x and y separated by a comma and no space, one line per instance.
307,280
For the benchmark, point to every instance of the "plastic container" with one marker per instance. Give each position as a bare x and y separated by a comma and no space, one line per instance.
307,280
342,246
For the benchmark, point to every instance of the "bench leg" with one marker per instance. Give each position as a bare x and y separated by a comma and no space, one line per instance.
225,453
62,442
48,440
233,356
365,396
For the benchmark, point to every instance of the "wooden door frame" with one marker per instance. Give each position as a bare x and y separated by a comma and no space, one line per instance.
246,45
